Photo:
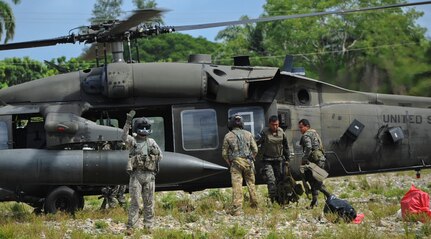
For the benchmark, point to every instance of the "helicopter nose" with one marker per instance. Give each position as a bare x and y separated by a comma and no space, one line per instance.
180,168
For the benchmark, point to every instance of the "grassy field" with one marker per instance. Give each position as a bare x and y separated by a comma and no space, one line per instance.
203,215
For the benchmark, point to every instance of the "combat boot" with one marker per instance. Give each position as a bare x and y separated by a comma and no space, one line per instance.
129,231
313,202
148,229
236,212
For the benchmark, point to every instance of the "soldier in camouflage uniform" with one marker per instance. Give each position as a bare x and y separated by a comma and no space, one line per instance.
142,166
275,155
239,150
112,195
313,152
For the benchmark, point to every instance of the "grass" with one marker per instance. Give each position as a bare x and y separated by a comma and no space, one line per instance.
203,215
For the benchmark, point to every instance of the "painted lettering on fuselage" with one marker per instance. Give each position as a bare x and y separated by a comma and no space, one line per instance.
406,119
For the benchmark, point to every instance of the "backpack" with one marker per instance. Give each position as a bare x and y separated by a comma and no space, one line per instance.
339,207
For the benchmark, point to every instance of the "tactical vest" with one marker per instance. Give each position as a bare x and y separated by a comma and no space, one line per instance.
145,156
273,144
240,149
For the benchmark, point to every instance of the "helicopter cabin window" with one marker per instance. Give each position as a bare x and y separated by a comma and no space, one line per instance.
108,122
3,135
253,117
303,97
199,129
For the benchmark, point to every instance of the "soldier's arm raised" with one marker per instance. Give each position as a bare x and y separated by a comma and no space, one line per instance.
125,136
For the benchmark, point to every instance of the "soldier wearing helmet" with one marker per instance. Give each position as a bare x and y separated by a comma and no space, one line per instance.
142,167
239,150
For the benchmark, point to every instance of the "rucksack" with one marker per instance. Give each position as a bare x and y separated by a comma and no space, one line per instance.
340,207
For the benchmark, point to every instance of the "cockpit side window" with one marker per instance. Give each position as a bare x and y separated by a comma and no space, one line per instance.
29,131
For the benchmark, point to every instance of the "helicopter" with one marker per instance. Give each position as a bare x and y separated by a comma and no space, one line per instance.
54,131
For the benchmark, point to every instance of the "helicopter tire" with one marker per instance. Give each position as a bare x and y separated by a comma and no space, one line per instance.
63,199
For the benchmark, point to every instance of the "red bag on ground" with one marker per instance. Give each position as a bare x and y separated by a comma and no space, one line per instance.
359,218
415,205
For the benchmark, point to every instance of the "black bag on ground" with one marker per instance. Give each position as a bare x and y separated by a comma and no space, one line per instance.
340,207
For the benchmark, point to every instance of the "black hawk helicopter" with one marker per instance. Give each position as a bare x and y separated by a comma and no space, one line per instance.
53,131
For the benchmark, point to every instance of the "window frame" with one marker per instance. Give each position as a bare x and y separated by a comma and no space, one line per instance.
251,109
215,125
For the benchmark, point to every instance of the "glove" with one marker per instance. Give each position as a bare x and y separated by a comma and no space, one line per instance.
286,157
130,115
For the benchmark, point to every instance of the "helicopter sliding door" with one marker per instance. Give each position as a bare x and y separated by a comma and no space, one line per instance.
199,130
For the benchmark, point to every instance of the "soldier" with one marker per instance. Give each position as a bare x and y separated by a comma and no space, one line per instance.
239,150
313,152
275,155
112,195
142,167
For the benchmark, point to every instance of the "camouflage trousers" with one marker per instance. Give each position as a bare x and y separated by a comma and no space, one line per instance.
118,193
240,169
141,184
271,174
316,185
113,195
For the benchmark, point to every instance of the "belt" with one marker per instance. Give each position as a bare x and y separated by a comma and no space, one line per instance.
265,157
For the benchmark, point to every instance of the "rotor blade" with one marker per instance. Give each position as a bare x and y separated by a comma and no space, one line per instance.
138,17
37,43
59,68
284,17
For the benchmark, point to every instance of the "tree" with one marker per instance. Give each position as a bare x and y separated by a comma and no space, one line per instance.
7,20
142,4
172,47
147,4
379,51
105,10
16,70
368,51
244,40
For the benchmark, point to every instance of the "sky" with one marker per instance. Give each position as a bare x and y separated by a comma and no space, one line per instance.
44,19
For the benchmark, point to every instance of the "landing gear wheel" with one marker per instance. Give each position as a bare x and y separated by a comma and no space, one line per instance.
62,199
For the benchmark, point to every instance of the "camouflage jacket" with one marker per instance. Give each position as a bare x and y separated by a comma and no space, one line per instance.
238,143
311,142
